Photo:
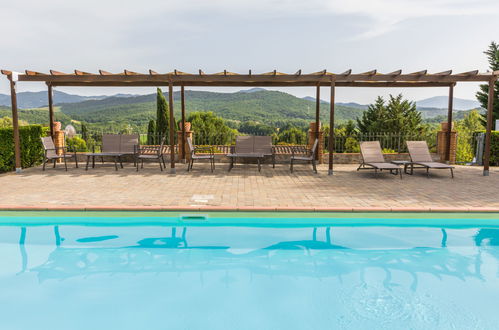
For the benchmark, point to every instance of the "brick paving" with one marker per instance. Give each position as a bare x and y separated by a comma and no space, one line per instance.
245,188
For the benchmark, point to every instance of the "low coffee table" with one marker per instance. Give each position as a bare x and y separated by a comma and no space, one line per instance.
407,164
233,159
116,156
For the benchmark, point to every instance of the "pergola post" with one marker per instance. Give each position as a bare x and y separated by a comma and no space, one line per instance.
51,109
449,123
488,131
15,125
331,129
317,118
182,104
172,126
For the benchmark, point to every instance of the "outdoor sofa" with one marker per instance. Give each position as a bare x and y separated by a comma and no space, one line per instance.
115,146
256,147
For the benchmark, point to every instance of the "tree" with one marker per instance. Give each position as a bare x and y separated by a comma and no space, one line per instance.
482,96
151,132
471,123
210,129
293,135
6,122
373,118
162,117
397,116
84,132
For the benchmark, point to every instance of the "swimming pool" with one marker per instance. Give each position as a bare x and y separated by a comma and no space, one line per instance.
90,270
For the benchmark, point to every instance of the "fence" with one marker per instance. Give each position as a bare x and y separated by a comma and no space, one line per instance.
389,141
342,144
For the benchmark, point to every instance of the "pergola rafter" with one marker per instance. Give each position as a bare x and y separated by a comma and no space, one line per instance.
274,78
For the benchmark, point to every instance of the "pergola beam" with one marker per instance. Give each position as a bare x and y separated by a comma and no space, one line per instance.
252,84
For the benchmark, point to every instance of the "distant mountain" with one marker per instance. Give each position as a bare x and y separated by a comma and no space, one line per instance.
28,100
252,90
353,105
312,99
441,102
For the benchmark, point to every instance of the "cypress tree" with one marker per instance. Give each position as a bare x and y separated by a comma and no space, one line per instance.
151,132
483,95
84,132
162,117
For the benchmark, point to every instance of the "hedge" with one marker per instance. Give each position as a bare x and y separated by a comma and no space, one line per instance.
31,146
494,148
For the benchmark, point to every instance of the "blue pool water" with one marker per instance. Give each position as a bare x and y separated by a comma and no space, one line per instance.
100,272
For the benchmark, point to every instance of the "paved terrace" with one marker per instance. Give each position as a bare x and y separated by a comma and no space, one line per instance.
245,188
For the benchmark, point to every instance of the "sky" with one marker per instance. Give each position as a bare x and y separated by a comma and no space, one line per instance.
261,35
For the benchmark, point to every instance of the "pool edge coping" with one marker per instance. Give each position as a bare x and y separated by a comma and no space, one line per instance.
253,209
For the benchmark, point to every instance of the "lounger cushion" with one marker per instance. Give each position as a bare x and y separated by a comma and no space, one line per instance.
383,166
433,165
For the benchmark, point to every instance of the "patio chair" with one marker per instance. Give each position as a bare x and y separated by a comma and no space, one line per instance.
263,145
208,154
420,155
50,153
304,154
150,153
372,158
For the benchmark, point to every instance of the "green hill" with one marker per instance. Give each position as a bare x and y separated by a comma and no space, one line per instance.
262,106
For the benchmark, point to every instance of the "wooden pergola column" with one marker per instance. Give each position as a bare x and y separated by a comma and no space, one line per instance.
15,125
182,105
317,118
51,109
172,126
490,106
331,129
449,123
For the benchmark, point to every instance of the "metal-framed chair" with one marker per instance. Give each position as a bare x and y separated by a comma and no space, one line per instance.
304,154
146,152
50,153
206,153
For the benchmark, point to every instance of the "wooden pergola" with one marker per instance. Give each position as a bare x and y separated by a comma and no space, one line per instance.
273,78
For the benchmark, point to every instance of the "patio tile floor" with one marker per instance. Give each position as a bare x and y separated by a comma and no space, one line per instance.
245,188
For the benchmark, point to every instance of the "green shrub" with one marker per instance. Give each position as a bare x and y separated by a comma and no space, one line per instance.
388,151
494,148
76,144
31,146
351,145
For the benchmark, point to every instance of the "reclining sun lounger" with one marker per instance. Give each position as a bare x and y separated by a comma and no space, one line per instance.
372,158
420,155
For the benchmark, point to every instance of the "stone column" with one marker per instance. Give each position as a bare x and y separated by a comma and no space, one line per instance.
58,138
188,134
442,143
312,134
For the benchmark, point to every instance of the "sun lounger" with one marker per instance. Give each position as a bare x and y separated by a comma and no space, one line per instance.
50,153
420,155
372,158
304,154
